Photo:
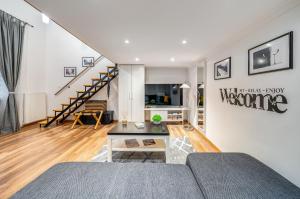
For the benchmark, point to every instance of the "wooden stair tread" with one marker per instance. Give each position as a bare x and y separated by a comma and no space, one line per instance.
65,104
88,85
106,73
96,79
76,98
85,91
43,122
56,110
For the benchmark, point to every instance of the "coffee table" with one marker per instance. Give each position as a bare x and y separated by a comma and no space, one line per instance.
129,131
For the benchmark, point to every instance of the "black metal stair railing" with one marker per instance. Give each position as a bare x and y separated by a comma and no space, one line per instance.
86,95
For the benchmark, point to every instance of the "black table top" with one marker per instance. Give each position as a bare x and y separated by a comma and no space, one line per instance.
130,129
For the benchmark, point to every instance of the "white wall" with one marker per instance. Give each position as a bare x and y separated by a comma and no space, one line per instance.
200,75
65,50
33,70
48,48
272,138
166,75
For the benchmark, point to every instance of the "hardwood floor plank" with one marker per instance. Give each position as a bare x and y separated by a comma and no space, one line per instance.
27,154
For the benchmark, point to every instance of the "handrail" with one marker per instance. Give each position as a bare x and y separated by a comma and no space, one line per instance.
79,75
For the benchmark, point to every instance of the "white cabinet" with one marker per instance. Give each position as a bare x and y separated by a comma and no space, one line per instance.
131,92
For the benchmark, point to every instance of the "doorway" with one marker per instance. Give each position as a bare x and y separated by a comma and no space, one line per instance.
201,97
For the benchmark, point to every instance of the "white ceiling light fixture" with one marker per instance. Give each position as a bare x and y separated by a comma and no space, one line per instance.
137,59
184,42
126,41
45,19
185,85
172,59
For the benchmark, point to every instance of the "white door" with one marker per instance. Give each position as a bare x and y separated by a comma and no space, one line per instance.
125,92
138,93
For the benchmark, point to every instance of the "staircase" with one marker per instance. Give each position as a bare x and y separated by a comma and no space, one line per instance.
81,96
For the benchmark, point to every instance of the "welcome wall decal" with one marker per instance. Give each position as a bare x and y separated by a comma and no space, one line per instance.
267,99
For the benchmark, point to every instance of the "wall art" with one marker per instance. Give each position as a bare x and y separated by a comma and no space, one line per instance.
266,99
87,61
274,55
70,71
222,69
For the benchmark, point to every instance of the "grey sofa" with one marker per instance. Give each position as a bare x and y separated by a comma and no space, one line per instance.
205,175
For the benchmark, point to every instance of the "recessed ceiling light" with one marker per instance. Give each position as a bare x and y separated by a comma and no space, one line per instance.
126,41
45,19
172,59
184,42
137,59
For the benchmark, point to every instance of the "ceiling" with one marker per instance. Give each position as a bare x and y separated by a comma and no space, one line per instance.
156,28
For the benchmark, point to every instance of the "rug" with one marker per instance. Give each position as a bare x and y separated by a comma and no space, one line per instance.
179,149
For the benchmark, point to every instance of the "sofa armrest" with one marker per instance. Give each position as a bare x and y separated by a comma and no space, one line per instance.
238,175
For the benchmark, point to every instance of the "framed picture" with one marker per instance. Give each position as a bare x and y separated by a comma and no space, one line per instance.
87,61
70,71
273,55
222,69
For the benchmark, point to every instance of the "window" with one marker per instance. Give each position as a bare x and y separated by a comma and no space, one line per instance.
3,97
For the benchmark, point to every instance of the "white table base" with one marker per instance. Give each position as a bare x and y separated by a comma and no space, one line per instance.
110,147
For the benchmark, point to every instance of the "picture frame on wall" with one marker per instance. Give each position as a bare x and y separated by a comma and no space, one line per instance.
87,61
70,71
271,56
222,69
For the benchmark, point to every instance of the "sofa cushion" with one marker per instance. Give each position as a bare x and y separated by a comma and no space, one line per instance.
113,180
237,175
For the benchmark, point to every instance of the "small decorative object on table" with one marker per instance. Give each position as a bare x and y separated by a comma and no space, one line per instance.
156,119
139,125
124,122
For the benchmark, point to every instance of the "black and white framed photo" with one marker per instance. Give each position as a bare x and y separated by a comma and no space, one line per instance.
87,61
222,69
70,71
273,55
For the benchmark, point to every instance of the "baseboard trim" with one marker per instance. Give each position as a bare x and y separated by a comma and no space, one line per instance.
31,123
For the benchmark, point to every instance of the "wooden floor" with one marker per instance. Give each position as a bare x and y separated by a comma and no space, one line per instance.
27,154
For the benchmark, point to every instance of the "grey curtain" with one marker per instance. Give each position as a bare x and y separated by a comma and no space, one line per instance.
11,45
